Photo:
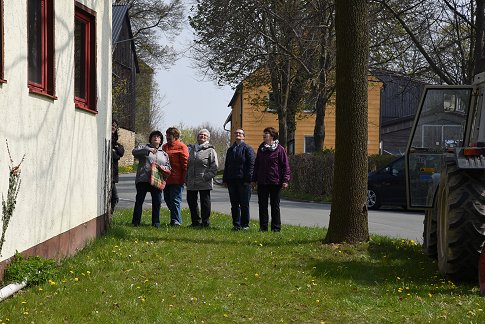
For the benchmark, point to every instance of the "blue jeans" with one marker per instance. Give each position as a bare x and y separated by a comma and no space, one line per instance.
239,194
141,191
172,194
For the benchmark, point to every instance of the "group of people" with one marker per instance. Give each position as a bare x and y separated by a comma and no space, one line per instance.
195,166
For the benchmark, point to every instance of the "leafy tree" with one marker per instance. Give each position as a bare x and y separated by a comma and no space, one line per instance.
273,42
348,216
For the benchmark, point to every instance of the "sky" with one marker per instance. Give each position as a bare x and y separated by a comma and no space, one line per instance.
188,98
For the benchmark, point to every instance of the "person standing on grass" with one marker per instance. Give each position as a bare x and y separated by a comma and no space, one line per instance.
146,154
271,174
117,151
178,154
202,168
238,172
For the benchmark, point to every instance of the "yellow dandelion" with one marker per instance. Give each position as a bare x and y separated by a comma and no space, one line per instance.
430,295
318,300
256,275
76,279
225,315
398,278
71,271
52,283
322,322
40,289
88,272
24,302
26,313
260,244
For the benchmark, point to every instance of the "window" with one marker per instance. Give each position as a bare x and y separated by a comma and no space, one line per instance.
85,58
41,46
309,144
1,42
271,103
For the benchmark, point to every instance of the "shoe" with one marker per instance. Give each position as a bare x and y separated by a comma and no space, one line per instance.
175,224
245,228
157,225
263,229
235,229
194,225
206,225
135,225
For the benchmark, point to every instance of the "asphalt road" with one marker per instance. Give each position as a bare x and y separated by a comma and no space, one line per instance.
391,222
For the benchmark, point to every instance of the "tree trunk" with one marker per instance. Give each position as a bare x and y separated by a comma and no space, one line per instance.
479,54
348,215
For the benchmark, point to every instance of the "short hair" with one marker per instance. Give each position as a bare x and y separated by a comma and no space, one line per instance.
204,130
240,129
155,133
173,131
272,131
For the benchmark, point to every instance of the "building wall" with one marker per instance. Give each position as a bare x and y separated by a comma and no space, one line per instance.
63,192
256,118
127,139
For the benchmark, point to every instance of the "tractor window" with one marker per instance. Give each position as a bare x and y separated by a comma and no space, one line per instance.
440,124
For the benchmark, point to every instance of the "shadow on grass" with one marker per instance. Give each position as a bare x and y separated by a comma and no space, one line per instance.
390,262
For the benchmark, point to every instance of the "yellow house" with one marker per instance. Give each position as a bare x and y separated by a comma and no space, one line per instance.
253,118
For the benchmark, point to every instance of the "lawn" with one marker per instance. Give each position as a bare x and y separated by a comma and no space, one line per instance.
214,275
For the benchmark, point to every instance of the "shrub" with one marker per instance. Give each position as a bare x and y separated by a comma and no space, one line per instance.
33,269
312,173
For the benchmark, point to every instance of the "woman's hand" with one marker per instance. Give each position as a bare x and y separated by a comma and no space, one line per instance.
284,185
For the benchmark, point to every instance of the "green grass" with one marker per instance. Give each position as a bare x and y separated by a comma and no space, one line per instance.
184,275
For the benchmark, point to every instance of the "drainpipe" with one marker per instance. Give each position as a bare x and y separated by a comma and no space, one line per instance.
11,289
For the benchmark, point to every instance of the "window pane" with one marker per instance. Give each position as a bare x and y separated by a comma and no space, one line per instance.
309,144
35,40
80,60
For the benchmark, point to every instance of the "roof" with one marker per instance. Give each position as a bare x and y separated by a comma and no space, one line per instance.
119,16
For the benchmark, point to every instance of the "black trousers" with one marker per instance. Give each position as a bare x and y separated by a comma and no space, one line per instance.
273,193
114,196
205,206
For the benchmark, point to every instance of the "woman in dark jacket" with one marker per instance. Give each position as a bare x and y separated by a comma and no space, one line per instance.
271,173
117,151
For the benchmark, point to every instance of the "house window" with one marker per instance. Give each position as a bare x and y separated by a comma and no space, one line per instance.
309,144
1,42
271,103
40,40
85,58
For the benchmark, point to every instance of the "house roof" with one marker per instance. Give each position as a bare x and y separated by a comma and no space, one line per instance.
119,16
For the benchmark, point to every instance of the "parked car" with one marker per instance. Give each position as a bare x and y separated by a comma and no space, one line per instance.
387,186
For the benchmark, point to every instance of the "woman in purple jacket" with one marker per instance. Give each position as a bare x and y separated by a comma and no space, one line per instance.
271,173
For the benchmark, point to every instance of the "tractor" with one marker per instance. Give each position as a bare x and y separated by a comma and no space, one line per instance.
445,176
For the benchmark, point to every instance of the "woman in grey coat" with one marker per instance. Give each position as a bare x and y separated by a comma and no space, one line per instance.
146,154
201,169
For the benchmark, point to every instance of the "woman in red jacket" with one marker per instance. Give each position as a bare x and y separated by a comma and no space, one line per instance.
178,155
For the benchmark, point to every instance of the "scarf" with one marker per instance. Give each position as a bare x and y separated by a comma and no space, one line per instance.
270,147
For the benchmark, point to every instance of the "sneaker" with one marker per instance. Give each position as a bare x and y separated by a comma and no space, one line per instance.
175,224
245,228
194,225
235,228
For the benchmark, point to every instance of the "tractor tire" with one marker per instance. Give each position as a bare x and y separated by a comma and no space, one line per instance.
460,222
429,233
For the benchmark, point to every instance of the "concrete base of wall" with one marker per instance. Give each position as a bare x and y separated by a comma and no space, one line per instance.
65,244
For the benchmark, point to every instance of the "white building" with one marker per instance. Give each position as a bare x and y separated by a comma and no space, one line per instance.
55,103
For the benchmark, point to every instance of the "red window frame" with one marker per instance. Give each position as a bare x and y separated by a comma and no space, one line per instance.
46,86
87,71
2,76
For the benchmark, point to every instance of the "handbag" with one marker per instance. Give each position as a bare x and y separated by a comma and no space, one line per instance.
158,176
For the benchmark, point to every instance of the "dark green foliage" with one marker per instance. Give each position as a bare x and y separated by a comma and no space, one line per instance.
377,161
312,174
34,269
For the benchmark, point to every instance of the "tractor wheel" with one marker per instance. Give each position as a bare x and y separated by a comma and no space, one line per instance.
429,233
460,222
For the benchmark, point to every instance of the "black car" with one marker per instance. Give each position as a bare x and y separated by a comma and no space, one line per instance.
387,186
